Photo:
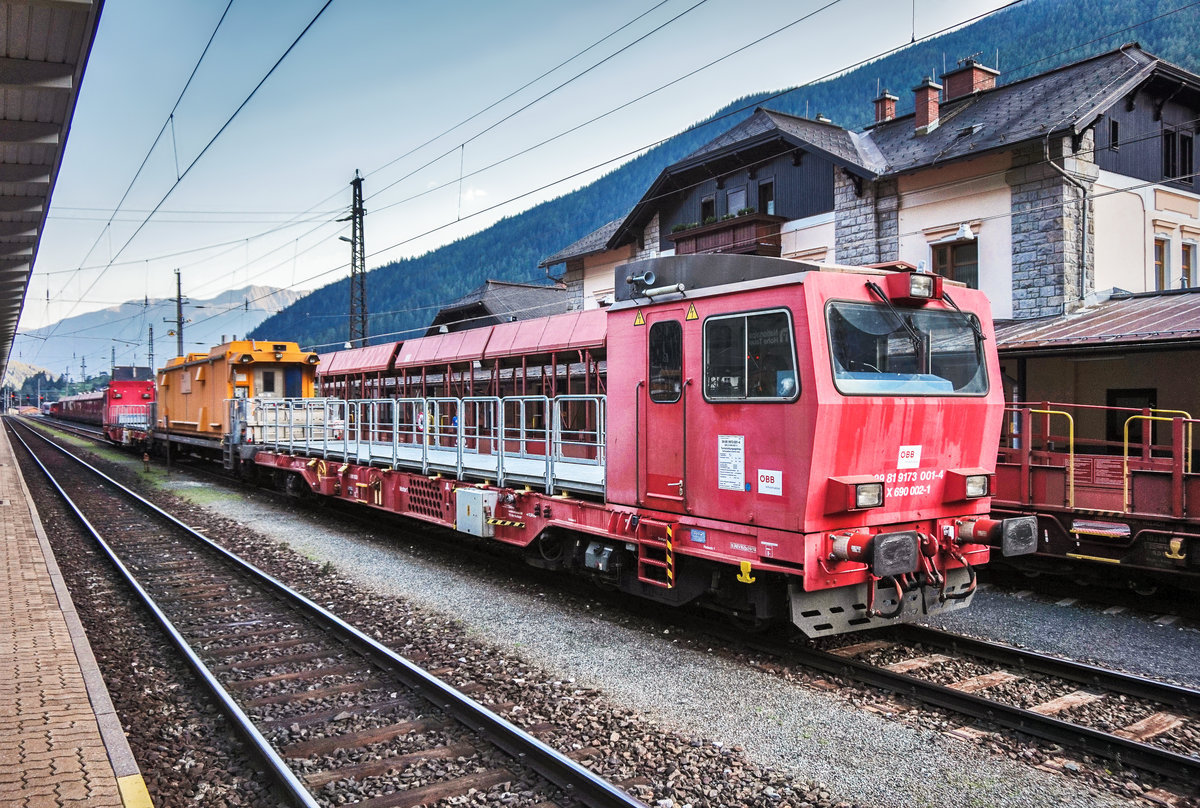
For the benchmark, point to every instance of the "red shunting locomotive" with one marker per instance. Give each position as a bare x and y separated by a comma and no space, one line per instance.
767,438
122,409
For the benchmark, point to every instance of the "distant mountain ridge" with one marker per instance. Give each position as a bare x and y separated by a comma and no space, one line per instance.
126,327
1029,38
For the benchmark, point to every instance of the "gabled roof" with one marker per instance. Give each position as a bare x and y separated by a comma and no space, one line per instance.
594,242
1125,321
1065,100
841,146
500,302
764,135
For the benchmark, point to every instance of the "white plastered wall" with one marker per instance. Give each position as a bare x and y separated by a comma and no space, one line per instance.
1129,216
934,203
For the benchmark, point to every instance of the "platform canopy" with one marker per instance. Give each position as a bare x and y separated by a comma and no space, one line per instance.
44,47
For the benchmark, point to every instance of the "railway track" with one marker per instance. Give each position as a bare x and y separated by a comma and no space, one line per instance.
1139,722
73,427
335,716
990,682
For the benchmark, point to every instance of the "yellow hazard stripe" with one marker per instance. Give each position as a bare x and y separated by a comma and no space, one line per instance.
505,523
670,557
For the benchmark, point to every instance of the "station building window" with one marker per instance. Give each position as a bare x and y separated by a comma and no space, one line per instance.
1187,264
735,200
1162,267
1178,155
766,197
958,261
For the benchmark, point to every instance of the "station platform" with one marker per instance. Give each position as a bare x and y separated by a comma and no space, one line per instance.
61,742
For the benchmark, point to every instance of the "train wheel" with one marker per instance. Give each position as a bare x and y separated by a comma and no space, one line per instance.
550,546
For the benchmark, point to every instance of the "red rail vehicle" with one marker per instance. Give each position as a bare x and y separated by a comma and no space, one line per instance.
1113,489
124,409
767,438
85,408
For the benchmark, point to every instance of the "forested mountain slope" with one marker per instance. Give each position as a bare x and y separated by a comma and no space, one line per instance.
1029,38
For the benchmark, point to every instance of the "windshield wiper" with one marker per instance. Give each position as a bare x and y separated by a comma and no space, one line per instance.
912,332
971,321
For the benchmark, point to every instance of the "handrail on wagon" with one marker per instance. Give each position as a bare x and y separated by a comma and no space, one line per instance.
1070,450
1187,416
1126,493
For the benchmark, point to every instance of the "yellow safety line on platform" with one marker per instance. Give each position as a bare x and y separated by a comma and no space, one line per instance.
133,792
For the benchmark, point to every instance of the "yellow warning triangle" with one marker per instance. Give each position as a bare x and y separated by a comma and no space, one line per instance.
639,320
691,315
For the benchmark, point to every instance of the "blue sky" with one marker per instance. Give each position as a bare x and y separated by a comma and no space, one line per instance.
369,82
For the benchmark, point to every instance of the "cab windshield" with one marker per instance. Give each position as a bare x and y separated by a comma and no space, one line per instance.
905,352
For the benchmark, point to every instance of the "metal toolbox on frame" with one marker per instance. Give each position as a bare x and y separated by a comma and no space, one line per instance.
473,509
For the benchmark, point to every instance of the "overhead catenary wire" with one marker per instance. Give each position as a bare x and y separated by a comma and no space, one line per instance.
620,157
736,111
208,145
643,96
428,232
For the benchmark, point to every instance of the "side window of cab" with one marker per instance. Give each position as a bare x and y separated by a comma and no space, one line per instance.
750,357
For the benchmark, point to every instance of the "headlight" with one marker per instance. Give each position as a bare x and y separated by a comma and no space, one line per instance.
868,495
961,484
920,285
977,486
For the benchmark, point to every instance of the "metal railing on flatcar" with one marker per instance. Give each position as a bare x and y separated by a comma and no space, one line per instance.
554,443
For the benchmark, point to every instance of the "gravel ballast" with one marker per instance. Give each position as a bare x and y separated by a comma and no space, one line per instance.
859,755
1126,641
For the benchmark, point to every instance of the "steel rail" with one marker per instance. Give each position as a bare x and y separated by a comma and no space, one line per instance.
579,783
287,779
73,427
1130,684
1169,764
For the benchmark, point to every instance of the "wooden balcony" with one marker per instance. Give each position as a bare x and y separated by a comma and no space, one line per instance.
752,234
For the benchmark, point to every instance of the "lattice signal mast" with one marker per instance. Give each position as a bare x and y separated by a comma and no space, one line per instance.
358,267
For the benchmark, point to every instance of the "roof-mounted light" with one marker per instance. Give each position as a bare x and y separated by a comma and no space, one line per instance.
915,287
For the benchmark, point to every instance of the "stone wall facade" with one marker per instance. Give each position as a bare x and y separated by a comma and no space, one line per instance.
1051,270
648,248
866,226
573,278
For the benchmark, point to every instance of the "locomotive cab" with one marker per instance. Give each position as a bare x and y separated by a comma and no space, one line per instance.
835,422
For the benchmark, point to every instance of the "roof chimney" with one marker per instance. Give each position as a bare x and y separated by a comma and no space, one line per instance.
885,107
969,77
927,105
